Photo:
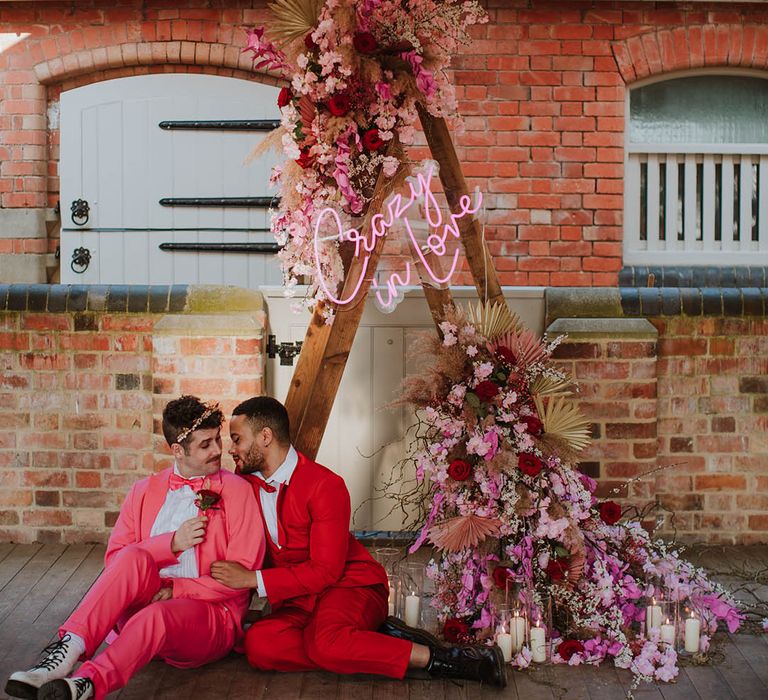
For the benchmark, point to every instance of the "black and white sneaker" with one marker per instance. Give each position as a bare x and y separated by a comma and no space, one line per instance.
61,658
67,689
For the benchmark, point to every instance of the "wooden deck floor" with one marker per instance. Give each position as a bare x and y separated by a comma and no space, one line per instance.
41,584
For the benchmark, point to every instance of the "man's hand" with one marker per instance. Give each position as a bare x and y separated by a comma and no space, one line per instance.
190,533
163,594
232,574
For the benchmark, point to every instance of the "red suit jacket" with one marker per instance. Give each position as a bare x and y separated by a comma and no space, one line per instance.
316,549
234,532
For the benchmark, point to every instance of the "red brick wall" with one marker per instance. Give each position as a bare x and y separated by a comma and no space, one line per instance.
80,401
685,417
542,88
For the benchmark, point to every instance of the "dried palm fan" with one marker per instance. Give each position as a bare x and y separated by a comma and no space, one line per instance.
576,564
563,420
293,18
462,532
548,385
492,320
526,346
308,112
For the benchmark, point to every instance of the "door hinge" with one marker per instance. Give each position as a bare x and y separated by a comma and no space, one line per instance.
286,351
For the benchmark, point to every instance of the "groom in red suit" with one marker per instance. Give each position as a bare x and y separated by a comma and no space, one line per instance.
156,588
329,598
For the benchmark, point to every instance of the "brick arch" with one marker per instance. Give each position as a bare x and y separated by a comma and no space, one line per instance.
107,59
685,48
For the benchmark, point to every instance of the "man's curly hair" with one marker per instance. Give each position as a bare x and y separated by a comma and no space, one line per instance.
182,413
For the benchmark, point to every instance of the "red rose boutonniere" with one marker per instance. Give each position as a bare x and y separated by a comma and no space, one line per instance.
206,498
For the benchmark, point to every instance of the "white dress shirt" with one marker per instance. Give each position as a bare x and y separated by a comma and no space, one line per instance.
179,506
280,478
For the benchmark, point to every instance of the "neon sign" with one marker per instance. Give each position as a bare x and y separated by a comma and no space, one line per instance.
396,208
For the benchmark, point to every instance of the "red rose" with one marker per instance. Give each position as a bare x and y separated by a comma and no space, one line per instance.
459,470
283,97
310,43
557,569
529,464
455,630
365,42
206,499
506,354
305,160
339,104
371,140
486,390
610,512
568,648
533,424
500,576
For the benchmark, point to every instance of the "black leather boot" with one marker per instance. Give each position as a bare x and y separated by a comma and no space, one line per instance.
395,627
472,663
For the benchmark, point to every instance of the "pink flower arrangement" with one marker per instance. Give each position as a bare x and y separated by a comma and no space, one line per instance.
554,539
355,78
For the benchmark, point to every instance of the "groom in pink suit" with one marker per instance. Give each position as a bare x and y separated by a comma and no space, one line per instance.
156,589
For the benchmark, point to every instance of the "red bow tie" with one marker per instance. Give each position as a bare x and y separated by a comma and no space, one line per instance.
263,484
176,482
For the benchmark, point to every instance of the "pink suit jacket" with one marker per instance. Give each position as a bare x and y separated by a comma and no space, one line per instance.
235,532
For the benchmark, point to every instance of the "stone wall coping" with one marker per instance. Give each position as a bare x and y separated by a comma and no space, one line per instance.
228,324
115,298
623,328
629,302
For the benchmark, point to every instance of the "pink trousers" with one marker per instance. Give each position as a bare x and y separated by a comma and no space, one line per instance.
183,632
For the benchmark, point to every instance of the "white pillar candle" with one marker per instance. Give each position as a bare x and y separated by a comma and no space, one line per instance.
692,632
391,612
517,631
504,640
412,608
652,617
668,632
538,643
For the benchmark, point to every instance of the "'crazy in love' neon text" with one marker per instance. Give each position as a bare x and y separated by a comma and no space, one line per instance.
396,207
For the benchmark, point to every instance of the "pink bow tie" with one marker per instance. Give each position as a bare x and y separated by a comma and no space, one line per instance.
177,482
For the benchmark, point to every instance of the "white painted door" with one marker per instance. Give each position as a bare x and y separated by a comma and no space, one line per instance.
115,156
364,439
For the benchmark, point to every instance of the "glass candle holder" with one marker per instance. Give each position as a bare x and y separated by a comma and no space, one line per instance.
540,630
512,630
388,557
661,616
689,629
411,576
394,595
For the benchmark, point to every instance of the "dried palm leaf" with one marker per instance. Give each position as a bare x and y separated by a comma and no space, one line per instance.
273,140
529,347
550,444
462,532
563,420
492,320
548,385
293,18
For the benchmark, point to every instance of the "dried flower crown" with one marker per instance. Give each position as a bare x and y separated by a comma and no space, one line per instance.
210,409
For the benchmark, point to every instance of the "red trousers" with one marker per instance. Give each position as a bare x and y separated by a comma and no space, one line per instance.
183,632
337,636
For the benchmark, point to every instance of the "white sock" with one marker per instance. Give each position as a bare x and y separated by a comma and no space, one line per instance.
77,642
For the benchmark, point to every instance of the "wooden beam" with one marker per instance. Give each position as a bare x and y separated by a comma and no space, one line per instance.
438,296
478,256
326,347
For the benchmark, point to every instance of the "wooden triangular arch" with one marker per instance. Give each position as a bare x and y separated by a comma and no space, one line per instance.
326,347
